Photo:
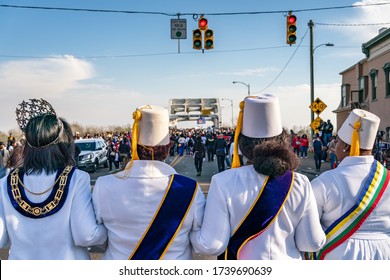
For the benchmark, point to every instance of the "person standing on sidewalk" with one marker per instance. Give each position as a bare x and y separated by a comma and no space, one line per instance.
332,152
317,150
354,199
263,210
148,209
304,146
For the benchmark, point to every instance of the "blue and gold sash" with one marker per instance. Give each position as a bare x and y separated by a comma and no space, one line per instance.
167,220
261,214
50,206
344,227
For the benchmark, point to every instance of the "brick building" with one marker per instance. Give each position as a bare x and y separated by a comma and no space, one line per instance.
366,84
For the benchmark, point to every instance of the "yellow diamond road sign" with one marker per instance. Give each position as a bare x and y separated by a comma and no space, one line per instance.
317,106
316,123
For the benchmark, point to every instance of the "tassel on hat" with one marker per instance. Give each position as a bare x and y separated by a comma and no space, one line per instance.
355,142
135,133
236,158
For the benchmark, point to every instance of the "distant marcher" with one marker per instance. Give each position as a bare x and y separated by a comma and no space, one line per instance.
149,209
199,150
263,210
354,199
46,210
317,150
220,147
210,143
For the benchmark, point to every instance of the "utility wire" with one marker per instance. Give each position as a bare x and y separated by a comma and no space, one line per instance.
296,49
191,14
352,24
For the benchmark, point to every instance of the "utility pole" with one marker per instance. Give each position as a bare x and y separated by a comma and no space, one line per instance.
311,24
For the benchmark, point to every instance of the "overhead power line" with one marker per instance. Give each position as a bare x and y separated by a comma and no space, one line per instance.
285,66
190,14
353,24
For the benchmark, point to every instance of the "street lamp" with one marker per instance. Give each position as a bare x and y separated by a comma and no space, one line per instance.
247,85
231,104
312,49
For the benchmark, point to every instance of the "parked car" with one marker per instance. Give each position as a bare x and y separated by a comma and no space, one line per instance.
93,154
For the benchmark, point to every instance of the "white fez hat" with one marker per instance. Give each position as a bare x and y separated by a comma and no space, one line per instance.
261,117
369,124
153,126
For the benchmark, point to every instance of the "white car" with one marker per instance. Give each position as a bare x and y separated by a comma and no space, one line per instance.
93,154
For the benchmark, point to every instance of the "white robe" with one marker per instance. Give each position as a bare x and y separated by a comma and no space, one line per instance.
56,237
232,193
127,206
336,191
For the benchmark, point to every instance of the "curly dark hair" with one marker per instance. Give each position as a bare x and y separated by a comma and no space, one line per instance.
269,156
153,152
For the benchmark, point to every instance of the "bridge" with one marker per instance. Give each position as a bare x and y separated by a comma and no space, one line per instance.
195,109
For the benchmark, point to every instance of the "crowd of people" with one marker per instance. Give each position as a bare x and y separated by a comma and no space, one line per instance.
322,146
261,208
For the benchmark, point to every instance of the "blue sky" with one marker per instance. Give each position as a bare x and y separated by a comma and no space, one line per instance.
96,68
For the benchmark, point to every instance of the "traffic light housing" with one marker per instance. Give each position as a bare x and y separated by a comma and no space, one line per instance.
208,39
291,35
197,39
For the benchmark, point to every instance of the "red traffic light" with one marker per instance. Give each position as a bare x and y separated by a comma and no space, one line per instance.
202,23
292,19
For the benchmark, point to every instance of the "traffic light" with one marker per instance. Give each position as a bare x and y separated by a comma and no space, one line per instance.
196,39
209,39
202,23
291,37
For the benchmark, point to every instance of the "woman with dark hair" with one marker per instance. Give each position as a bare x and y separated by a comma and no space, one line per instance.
48,199
263,210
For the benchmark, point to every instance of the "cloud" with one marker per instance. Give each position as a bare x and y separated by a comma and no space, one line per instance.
367,15
70,85
44,77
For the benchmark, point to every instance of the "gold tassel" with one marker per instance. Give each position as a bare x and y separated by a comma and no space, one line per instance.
134,134
236,158
355,145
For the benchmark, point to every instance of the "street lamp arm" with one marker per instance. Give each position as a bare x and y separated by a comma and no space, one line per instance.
247,85
327,44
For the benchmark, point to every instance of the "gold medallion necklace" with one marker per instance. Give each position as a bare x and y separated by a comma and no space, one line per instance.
48,207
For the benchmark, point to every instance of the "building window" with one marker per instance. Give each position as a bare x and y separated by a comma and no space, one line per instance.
374,83
362,89
344,95
386,69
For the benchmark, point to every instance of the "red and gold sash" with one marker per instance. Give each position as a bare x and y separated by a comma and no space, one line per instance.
266,207
167,220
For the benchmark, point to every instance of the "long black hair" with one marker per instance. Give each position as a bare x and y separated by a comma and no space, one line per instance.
269,156
49,145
